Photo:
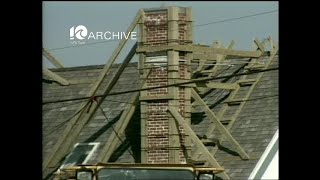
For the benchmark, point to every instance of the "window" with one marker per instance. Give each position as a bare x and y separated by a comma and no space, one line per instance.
81,154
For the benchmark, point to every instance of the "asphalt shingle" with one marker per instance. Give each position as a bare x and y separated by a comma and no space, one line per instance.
253,128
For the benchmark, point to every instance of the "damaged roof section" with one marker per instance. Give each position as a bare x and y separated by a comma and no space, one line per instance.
253,129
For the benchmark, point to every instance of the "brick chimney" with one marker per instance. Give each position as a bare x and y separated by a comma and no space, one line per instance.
163,141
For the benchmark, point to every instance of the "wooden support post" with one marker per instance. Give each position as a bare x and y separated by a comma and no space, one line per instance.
189,20
52,59
176,115
55,77
143,109
188,58
219,125
143,75
173,73
142,40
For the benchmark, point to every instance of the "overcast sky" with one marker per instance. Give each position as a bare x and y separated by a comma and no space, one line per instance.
59,17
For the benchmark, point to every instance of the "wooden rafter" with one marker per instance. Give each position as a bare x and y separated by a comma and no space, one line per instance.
113,140
259,47
214,69
200,66
176,115
213,118
221,59
55,77
52,59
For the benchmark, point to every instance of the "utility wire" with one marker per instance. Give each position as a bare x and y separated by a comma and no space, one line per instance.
105,116
199,25
65,105
221,71
60,125
64,122
169,85
237,18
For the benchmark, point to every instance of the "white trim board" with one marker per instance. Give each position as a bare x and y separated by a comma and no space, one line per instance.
267,166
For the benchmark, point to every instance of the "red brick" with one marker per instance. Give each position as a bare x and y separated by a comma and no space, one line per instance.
156,114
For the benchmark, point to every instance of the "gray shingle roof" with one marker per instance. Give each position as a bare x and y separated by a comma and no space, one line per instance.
253,129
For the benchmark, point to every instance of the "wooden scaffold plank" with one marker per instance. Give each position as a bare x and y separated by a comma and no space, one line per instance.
196,48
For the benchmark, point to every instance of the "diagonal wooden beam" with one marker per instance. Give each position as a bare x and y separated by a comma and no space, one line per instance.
259,44
176,115
55,77
65,141
52,59
113,140
219,125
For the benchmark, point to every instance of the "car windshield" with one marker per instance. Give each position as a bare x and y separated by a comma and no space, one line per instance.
144,174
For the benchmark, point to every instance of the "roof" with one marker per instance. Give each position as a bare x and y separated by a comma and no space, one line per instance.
253,129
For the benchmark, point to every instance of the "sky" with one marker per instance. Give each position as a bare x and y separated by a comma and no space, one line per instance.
59,17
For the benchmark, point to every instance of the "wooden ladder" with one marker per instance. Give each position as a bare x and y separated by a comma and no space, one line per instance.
237,99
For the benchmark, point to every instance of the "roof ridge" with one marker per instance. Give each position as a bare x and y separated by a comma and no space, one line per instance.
89,67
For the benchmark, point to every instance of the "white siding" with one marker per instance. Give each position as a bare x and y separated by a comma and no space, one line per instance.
267,166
